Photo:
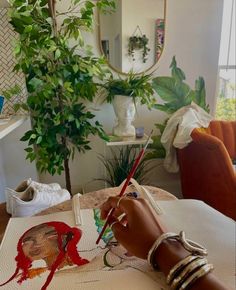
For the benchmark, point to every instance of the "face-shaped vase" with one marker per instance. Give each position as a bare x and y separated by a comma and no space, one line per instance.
124,109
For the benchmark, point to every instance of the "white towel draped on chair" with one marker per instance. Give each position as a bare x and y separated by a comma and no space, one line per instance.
177,133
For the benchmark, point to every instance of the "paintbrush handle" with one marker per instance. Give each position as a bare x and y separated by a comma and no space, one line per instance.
136,163
132,171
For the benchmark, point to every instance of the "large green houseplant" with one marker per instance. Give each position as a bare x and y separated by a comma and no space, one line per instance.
59,78
175,93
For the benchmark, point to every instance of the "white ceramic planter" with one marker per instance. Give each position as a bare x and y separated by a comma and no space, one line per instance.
124,109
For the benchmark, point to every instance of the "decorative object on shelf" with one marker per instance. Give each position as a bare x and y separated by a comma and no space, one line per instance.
160,34
124,95
124,109
139,132
138,41
59,78
1,103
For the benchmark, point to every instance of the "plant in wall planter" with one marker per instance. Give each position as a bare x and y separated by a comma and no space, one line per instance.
59,78
138,43
124,94
175,93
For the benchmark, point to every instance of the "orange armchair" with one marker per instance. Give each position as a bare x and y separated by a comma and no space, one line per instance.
206,168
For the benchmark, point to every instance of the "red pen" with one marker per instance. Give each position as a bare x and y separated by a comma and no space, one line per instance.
131,174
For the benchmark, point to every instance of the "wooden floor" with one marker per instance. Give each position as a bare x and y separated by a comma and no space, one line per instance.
4,218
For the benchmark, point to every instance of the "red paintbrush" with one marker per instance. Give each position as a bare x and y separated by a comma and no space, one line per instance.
131,174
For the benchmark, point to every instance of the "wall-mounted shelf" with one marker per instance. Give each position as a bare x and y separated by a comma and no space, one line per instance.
8,125
120,141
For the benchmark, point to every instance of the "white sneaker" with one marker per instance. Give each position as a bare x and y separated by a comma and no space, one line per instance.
22,187
33,200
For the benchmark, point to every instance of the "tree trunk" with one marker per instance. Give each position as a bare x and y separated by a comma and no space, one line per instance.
67,175
52,10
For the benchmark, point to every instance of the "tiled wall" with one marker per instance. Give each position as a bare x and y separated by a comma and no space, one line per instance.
8,78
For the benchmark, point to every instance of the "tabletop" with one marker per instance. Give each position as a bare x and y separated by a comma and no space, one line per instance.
96,198
88,200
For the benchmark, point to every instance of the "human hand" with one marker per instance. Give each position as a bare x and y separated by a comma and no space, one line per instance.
140,227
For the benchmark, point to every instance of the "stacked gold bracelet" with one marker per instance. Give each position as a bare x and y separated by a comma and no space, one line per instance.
188,270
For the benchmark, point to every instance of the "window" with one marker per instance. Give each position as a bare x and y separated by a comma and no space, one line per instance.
226,100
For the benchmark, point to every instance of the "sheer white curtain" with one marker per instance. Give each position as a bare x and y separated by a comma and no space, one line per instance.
227,64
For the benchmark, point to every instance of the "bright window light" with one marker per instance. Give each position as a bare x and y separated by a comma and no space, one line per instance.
226,100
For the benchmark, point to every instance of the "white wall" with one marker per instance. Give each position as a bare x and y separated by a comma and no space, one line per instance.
144,15
193,36
13,166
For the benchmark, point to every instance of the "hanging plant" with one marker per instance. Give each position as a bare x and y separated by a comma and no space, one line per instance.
138,42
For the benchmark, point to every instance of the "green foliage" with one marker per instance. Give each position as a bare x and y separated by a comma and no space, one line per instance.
175,93
138,87
226,109
59,78
11,92
120,164
137,43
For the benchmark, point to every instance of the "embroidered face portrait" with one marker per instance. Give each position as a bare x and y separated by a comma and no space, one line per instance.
41,242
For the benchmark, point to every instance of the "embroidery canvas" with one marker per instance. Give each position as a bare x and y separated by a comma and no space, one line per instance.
56,255
54,243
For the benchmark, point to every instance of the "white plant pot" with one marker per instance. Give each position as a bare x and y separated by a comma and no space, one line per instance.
124,109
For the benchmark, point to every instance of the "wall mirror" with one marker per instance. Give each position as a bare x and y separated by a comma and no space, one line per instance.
132,37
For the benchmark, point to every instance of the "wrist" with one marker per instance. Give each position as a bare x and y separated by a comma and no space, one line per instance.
169,253
183,262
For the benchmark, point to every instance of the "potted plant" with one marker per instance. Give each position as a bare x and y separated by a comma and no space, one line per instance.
138,43
124,94
120,163
59,77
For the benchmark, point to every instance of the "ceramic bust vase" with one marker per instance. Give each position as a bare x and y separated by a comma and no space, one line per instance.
124,109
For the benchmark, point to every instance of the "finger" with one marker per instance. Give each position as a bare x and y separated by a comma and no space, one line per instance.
125,204
104,213
108,205
120,231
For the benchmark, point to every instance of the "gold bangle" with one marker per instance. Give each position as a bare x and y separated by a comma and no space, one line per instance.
204,270
187,271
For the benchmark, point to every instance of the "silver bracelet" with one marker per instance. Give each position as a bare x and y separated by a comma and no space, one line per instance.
188,270
189,245
156,244
204,270
179,266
